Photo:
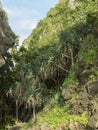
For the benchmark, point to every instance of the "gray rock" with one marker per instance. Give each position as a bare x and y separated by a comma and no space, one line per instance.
66,94
37,127
93,122
75,125
62,127
44,126
93,88
2,61
17,127
7,37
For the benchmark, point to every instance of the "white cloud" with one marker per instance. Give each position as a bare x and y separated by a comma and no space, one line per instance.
28,24
22,22
22,12
21,39
9,11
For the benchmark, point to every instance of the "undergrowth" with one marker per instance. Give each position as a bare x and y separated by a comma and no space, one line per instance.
59,115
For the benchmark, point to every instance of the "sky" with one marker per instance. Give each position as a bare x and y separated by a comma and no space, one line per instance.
23,15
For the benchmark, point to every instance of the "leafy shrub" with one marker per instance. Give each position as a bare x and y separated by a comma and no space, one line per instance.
69,80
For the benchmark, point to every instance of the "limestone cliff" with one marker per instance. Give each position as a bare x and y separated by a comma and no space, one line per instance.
7,37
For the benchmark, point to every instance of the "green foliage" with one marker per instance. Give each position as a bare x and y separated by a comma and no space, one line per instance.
55,116
81,119
63,28
69,80
55,98
24,90
59,115
28,125
96,72
90,50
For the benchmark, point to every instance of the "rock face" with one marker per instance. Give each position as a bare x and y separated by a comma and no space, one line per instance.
86,99
17,127
7,37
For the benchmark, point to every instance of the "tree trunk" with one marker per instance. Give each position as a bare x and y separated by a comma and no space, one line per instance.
1,120
16,110
34,115
72,57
